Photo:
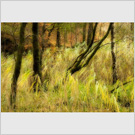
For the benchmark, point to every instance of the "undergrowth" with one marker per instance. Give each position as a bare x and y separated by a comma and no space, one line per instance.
88,90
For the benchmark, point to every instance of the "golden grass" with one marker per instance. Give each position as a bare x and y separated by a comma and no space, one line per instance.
86,91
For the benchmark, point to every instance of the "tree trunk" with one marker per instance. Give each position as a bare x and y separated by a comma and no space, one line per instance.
114,74
90,31
58,36
84,32
131,26
51,30
17,67
65,37
78,64
76,33
83,59
36,57
43,44
100,34
71,34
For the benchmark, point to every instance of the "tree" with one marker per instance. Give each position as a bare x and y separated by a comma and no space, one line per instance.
90,30
10,30
43,43
17,67
84,32
83,59
50,29
132,26
100,31
65,36
113,55
71,36
36,57
76,34
58,36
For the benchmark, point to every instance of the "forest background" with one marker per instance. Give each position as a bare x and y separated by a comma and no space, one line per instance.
67,67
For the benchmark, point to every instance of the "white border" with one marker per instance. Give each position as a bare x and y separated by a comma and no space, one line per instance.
67,123
67,11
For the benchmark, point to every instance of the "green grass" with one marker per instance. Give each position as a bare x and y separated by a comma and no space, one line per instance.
86,91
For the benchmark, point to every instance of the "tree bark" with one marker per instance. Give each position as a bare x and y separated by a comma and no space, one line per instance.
65,37
51,30
114,73
83,59
36,56
76,26
58,36
77,64
132,26
17,67
71,34
43,44
90,30
84,32
100,34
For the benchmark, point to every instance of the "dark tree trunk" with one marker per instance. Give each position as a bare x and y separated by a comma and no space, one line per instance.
51,30
43,44
114,74
36,56
84,32
17,67
90,31
132,26
83,59
58,36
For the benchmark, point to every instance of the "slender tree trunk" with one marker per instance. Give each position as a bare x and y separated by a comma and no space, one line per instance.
43,44
17,67
76,33
90,31
84,32
131,26
113,55
65,37
100,34
51,30
71,33
58,36
36,57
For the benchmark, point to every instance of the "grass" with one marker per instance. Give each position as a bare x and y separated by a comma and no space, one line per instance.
86,91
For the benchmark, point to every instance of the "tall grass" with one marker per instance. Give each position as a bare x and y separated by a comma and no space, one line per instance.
86,91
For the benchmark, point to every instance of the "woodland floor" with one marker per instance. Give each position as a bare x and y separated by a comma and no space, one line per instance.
86,91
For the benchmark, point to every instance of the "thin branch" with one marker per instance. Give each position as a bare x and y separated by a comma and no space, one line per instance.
120,85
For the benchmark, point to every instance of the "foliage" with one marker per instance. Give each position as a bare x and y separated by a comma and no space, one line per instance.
85,91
